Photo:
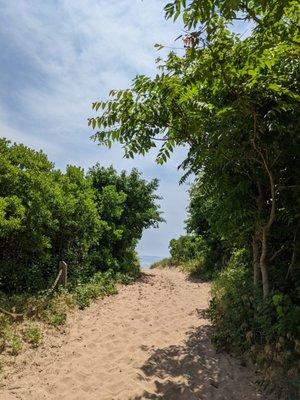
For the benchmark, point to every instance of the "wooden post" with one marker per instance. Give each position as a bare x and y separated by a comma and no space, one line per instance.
63,267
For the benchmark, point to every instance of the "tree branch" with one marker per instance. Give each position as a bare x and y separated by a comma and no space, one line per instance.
251,13
277,253
268,171
162,139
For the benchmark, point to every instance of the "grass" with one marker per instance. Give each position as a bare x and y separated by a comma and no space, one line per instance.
33,334
9,339
195,267
50,308
198,268
16,345
99,286
58,319
164,263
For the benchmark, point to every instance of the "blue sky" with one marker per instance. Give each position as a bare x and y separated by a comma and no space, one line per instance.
57,57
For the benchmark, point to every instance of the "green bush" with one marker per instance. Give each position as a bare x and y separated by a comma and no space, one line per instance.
264,331
164,263
101,284
92,221
232,290
127,205
196,255
10,339
196,268
45,216
16,345
33,334
57,319
186,248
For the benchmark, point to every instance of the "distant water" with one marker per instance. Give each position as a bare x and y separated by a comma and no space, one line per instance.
146,261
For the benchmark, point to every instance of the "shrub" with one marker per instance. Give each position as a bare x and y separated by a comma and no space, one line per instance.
127,205
164,263
58,319
33,334
45,216
11,340
232,292
264,331
197,255
186,248
16,345
101,284
85,293
92,221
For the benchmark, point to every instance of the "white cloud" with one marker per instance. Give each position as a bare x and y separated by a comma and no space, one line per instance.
73,53
18,136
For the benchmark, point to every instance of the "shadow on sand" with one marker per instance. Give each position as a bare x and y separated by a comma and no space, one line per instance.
194,371
145,278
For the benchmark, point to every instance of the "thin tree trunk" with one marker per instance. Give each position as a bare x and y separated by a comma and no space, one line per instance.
263,263
255,259
256,242
272,213
294,268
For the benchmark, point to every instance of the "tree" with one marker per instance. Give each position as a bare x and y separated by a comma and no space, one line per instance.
235,104
45,216
127,205
272,18
92,221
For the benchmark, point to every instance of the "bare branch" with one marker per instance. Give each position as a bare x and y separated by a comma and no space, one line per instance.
277,253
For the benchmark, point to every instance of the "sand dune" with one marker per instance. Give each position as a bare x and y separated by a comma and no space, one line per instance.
148,342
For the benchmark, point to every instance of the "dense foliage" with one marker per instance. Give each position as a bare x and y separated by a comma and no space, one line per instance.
234,102
263,331
199,255
92,221
127,205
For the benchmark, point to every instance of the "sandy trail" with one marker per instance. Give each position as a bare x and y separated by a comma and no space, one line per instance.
148,342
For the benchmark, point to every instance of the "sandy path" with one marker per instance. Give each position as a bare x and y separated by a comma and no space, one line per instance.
148,342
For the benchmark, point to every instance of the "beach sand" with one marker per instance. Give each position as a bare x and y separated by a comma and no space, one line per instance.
150,341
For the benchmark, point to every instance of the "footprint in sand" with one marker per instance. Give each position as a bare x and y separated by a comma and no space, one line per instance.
148,342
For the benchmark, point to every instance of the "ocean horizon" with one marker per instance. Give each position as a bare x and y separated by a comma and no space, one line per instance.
147,260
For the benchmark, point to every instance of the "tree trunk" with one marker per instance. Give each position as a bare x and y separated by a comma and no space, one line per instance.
294,268
265,230
255,259
263,263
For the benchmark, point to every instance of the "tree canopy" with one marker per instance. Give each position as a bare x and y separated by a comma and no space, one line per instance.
234,102
92,221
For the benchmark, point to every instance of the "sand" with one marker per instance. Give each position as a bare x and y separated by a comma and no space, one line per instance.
150,341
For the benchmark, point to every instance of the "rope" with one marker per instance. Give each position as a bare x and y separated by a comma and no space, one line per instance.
56,281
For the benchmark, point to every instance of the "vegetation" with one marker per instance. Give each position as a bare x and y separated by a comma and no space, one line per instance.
233,101
193,254
164,263
92,221
33,334
198,255
261,330
127,205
